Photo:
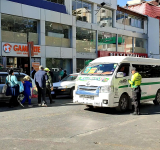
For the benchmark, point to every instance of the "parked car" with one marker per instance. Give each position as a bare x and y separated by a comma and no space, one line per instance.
20,76
65,86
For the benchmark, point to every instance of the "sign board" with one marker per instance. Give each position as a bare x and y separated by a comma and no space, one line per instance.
107,53
35,65
21,50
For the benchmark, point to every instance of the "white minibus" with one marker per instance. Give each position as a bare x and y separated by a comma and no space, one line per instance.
104,82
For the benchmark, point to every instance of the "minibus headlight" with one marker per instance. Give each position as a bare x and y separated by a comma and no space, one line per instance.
105,89
76,86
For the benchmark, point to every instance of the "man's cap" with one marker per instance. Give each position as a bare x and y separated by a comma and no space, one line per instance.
133,69
46,69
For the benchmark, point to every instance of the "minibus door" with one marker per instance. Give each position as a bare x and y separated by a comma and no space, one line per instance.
121,84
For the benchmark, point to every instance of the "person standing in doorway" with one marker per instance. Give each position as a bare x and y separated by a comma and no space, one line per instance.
60,74
136,90
33,73
40,79
49,85
65,74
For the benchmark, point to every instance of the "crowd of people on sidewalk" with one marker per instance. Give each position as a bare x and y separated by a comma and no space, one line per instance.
43,79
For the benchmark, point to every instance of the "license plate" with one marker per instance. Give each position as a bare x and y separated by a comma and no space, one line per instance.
85,97
97,104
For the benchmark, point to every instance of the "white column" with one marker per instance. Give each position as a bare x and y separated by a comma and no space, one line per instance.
42,42
94,11
73,44
114,18
68,4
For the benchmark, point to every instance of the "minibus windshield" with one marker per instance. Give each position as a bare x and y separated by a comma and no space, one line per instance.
99,69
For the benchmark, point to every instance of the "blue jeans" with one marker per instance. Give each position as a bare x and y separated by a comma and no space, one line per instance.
27,97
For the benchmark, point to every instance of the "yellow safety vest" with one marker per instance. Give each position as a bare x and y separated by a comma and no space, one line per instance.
136,80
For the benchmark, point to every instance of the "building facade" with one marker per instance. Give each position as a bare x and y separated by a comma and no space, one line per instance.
71,33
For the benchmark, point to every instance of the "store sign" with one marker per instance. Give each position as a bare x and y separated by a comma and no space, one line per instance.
35,65
7,48
12,49
106,53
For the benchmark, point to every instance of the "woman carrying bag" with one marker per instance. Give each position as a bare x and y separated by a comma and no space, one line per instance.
13,88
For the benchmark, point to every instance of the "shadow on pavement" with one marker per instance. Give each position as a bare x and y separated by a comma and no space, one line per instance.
59,101
146,109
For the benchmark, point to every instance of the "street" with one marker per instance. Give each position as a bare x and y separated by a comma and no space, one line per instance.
68,126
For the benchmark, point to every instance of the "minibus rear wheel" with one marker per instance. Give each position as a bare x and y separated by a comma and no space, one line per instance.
157,99
123,103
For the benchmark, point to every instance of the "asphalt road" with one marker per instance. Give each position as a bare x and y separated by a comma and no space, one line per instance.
68,126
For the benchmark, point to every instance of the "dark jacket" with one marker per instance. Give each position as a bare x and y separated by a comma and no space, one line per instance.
64,75
33,73
40,78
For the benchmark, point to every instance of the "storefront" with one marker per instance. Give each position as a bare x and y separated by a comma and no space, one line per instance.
16,56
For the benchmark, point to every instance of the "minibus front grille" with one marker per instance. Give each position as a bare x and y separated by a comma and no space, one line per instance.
88,90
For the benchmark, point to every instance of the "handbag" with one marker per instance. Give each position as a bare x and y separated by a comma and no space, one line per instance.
4,89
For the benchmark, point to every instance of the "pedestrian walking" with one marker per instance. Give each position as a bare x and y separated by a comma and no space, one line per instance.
136,90
49,85
60,74
13,88
40,79
65,74
27,91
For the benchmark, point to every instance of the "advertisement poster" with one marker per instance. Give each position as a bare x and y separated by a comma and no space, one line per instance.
35,65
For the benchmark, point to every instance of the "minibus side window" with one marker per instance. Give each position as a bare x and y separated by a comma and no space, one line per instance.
125,69
148,71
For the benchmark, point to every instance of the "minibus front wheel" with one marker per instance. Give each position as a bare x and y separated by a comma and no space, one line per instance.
123,103
157,98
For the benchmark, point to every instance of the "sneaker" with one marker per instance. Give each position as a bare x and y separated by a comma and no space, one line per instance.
39,105
44,105
135,113
30,106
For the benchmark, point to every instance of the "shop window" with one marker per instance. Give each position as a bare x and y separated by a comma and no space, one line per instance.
17,29
148,71
125,44
129,20
104,16
58,35
82,10
139,45
85,40
81,63
55,63
107,41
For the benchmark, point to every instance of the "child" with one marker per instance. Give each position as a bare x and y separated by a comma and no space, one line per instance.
27,90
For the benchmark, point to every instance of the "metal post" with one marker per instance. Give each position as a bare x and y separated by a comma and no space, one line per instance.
30,61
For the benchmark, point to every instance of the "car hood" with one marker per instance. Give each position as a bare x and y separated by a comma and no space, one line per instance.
64,83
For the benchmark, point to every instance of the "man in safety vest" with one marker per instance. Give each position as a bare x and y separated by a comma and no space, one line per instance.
136,90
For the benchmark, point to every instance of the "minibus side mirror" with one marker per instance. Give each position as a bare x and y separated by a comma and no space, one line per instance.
120,75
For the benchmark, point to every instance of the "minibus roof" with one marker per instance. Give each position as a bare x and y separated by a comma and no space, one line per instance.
126,59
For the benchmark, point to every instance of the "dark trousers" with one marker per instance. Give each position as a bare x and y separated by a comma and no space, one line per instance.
136,97
48,92
13,101
41,93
